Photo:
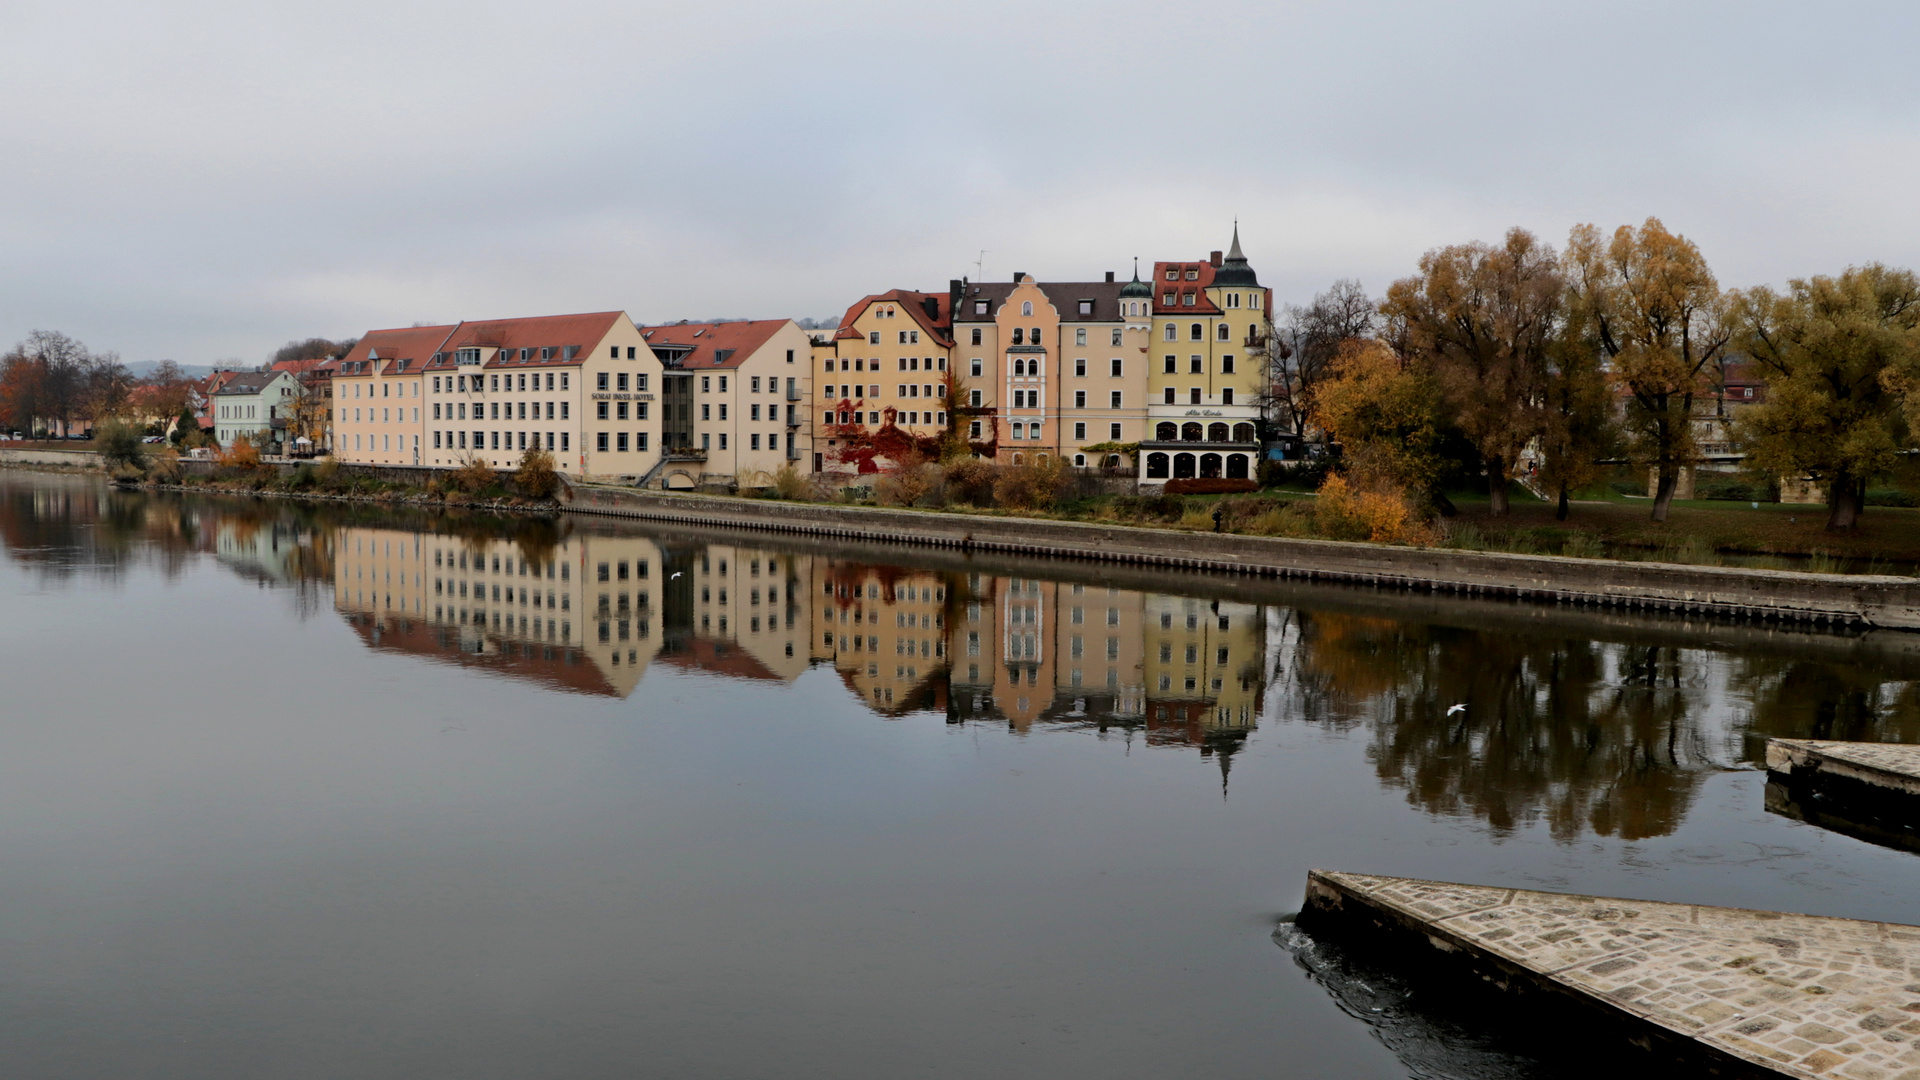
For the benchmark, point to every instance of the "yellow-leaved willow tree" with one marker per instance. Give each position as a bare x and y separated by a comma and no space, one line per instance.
1842,357
1646,300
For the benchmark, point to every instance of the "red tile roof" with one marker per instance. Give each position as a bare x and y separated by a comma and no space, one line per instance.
1180,287
581,332
715,345
415,344
939,326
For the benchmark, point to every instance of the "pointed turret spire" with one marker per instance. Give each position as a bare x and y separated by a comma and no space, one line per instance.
1234,269
1233,253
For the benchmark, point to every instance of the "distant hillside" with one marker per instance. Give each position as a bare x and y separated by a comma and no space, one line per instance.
142,368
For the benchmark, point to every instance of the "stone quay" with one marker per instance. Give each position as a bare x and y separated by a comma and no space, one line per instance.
1724,991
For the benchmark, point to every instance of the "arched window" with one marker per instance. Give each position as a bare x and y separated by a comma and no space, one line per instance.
1190,431
1113,461
1210,465
1243,433
1019,459
1182,466
1026,307
1198,333
1225,334
1173,333
1167,431
1236,466
1019,336
1216,433
1080,461
1156,466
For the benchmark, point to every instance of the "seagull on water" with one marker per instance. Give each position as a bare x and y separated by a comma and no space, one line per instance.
1453,710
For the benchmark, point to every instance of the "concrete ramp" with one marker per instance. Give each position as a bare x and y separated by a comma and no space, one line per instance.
1870,791
1727,991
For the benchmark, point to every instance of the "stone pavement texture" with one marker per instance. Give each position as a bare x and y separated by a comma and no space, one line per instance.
1802,995
1895,765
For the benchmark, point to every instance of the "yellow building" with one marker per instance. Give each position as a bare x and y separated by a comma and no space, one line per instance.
1211,322
886,367
1203,667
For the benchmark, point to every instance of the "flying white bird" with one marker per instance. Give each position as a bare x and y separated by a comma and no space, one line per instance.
673,575
1454,709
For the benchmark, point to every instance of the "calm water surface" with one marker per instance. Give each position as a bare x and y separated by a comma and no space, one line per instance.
297,791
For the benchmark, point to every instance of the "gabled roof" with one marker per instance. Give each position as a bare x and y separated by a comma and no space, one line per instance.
561,334
380,350
714,345
248,382
1065,296
1180,287
939,326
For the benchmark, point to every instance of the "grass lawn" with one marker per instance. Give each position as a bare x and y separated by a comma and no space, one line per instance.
1696,527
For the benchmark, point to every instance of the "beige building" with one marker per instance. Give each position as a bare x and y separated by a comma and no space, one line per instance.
1056,367
747,393
377,398
885,631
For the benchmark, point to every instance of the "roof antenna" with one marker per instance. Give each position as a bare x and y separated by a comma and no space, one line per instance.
979,269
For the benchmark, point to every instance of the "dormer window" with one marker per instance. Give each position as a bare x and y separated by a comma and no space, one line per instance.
1167,299
1186,299
546,352
1193,275
1173,275
1086,307
979,307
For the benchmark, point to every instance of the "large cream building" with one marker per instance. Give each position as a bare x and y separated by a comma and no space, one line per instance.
1208,373
886,366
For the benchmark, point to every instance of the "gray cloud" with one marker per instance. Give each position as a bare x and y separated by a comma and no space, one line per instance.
200,180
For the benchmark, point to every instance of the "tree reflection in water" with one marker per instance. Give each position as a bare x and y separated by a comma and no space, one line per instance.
1584,735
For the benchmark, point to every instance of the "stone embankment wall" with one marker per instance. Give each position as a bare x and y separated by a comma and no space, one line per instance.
1891,602
72,459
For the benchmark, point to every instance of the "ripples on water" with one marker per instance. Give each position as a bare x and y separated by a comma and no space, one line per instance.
1603,753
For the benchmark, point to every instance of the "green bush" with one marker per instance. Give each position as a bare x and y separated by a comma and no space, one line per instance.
1890,497
1150,507
120,448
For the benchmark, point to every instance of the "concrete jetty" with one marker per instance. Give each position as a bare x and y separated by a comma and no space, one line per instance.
1726,991
1870,791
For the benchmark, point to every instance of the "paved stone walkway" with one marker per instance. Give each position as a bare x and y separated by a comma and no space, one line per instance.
1893,765
1803,995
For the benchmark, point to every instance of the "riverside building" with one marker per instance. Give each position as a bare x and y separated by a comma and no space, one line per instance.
886,366
1209,373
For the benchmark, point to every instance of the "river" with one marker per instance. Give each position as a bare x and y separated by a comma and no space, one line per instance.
323,790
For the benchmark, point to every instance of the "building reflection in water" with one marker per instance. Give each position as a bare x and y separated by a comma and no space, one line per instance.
1600,727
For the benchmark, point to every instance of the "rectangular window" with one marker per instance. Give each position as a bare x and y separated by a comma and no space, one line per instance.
973,399
639,383
1113,432
1080,367
706,412
600,442
723,410
706,384
1113,400
754,412
1080,431
753,442
1194,396
620,381
600,410
754,387
973,430
620,442
639,441
723,440
639,410
1169,395
493,439
1226,395
620,411
1226,365
773,442
1116,339
976,368
976,335
565,438
600,381
1079,399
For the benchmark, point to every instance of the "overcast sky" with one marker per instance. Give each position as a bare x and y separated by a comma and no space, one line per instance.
202,180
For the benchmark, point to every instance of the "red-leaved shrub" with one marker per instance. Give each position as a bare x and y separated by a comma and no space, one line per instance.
1209,485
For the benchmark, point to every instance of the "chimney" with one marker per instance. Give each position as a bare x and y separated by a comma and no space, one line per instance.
1109,277
1214,258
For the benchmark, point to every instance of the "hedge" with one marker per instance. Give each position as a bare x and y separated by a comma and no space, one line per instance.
1209,485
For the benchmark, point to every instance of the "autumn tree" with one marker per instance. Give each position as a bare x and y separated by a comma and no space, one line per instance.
304,355
1647,302
1578,430
1308,340
168,387
1838,353
1484,319
1385,414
